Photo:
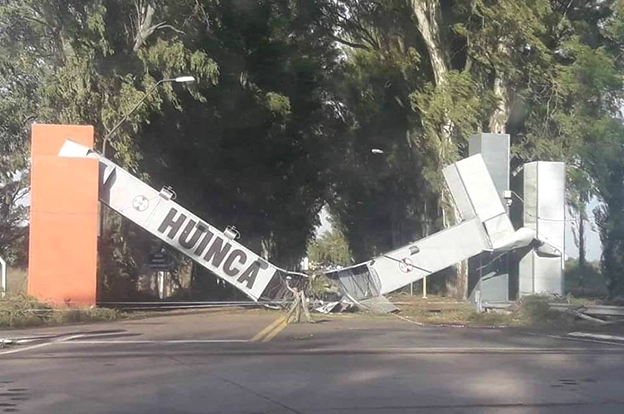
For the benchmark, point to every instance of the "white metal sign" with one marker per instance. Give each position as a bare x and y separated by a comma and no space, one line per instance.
157,213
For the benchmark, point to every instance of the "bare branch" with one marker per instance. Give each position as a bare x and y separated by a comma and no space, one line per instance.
163,25
145,28
41,22
21,232
350,44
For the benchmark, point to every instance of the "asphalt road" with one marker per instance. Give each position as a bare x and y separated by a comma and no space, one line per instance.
206,363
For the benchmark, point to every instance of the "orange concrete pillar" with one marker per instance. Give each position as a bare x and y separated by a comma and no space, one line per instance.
62,264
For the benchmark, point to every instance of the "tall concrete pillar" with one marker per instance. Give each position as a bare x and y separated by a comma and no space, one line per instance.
488,275
62,261
541,269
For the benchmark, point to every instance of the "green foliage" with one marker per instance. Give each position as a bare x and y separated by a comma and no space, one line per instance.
330,250
74,62
580,86
323,288
255,153
599,73
20,76
549,71
278,104
246,151
609,174
459,100
585,281
91,68
535,311
123,250
383,200
13,215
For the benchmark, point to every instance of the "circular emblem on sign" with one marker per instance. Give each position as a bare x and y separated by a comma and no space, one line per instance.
140,203
406,265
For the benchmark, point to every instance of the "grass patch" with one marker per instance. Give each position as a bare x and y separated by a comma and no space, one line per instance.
535,312
493,319
20,311
435,310
530,312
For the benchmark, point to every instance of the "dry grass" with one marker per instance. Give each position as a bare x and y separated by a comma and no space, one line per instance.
534,311
19,311
531,312
434,310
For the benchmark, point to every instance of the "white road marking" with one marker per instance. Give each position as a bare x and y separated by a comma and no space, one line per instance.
75,339
29,348
140,351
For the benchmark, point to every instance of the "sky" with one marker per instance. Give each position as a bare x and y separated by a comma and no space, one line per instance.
325,225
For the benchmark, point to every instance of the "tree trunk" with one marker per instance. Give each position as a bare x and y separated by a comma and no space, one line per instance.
429,20
145,15
498,120
267,250
582,263
395,228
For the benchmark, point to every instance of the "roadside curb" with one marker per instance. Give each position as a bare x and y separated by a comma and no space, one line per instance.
254,352
449,325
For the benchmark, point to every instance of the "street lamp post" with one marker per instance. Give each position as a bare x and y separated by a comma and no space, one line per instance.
179,79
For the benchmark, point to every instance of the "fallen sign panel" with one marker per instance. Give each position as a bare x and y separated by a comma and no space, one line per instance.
378,304
335,307
158,213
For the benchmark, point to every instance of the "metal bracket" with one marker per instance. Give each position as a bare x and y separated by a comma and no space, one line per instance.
167,193
231,233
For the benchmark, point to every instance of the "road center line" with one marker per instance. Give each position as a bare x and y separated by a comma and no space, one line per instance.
260,336
279,328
